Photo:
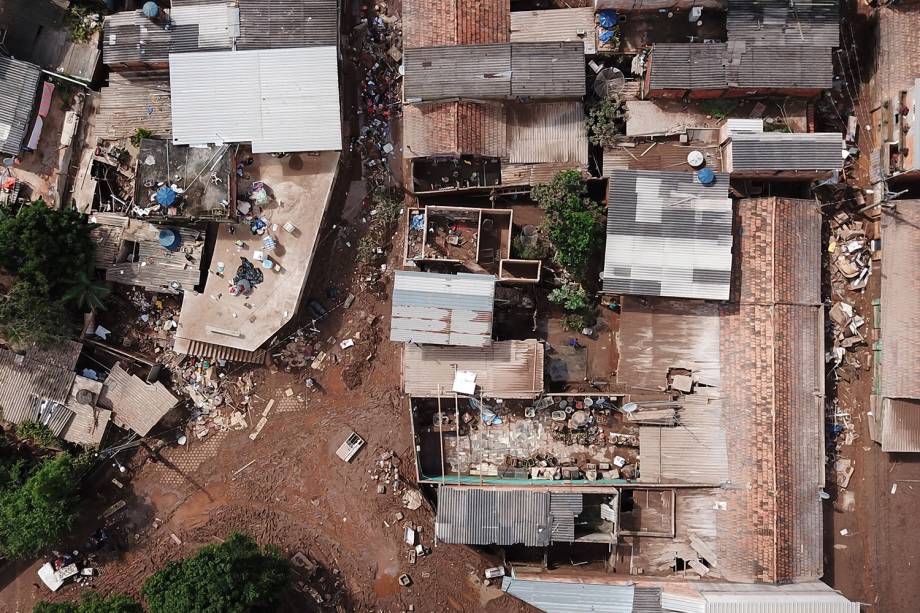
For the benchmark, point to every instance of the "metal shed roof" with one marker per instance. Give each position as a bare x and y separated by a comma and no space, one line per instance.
668,235
739,64
780,22
135,403
129,37
576,24
503,70
18,88
277,24
276,99
782,151
442,309
478,516
566,597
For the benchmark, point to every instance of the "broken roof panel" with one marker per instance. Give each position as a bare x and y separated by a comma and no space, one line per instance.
434,23
547,132
129,37
290,101
442,309
779,22
504,369
135,403
89,422
565,25
668,235
767,151
41,375
505,70
18,89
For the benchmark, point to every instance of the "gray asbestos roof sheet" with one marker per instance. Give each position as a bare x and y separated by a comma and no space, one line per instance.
18,88
779,22
779,151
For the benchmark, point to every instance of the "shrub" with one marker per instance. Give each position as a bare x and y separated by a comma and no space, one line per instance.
572,296
92,602
139,135
572,220
37,433
606,121
574,322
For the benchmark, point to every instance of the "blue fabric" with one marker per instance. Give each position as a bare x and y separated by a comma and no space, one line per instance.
608,19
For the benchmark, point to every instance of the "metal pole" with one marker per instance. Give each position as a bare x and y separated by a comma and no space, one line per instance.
441,433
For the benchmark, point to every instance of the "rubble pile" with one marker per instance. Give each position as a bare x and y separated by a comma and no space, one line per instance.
385,473
851,249
155,325
377,43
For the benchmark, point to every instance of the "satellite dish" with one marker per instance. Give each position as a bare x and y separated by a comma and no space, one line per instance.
609,82
695,159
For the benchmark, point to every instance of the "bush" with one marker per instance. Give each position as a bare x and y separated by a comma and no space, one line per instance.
606,121
572,296
139,135
572,220
37,433
235,576
574,322
524,250
92,602
38,509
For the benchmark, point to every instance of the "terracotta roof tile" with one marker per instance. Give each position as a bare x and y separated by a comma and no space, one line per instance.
433,23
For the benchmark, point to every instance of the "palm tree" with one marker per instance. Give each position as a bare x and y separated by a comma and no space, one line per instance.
88,293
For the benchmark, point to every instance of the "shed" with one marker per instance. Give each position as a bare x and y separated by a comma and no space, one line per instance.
443,309
555,25
18,89
136,404
779,151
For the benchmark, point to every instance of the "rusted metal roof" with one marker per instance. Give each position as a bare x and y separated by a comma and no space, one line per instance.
89,422
900,425
668,235
548,132
564,25
505,369
18,89
442,309
40,376
135,404
126,105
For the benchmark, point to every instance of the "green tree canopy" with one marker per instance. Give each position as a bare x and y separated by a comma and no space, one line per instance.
37,508
28,314
572,220
236,576
92,602
87,293
44,244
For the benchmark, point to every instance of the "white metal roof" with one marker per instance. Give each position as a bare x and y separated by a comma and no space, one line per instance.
276,99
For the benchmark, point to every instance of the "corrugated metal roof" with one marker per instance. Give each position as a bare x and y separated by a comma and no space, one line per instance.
290,100
276,24
126,105
89,422
566,597
442,309
505,369
129,37
477,516
781,151
810,597
218,23
212,351
779,22
668,235
135,403
18,88
547,70
565,25
564,508
504,70
900,326
28,380
544,132
688,66
900,430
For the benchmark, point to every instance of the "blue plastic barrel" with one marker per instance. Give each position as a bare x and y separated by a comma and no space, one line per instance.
170,239
150,9
706,176
608,19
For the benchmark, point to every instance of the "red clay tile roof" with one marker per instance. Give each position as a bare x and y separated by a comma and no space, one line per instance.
454,128
435,23
898,30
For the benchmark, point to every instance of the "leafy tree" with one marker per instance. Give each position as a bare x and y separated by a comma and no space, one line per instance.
236,576
41,244
28,314
572,220
39,509
606,121
87,293
92,602
572,296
